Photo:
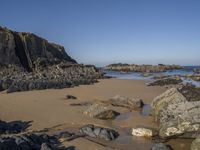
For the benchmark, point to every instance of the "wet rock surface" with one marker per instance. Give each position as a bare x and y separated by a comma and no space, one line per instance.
165,81
99,132
161,146
196,144
177,115
29,62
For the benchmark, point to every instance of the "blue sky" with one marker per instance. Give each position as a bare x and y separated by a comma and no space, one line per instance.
107,31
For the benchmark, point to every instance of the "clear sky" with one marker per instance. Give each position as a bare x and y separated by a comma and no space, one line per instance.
107,31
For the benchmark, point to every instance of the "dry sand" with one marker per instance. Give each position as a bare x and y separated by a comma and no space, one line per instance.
49,108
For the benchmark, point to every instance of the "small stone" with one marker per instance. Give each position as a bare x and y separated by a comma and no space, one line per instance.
71,97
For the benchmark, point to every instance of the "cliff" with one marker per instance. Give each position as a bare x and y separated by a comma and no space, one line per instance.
29,62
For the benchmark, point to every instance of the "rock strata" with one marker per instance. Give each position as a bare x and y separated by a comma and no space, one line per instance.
29,62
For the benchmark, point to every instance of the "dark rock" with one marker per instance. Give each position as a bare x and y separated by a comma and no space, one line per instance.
71,97
165,81
99,132
13,127
107,114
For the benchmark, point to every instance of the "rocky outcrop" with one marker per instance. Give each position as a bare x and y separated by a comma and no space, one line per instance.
141,68
165,81
28,50
28,62
177,112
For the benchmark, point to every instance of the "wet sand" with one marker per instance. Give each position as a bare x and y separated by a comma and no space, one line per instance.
50,108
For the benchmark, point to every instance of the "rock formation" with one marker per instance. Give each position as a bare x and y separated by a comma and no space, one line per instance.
29,62
141,68
177,112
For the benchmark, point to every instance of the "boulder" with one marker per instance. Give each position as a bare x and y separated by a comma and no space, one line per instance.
131,103
99,132
161,146
177,115
142,132
101,111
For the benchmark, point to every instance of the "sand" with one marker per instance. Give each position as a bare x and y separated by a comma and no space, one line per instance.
50,109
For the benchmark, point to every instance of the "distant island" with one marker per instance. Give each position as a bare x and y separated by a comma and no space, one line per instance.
141,68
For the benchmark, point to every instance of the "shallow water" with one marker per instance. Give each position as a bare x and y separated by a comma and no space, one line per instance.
139,76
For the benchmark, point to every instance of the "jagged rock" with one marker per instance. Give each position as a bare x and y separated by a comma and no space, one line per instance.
196,144
142,132
165,81
176,114
161,146
101,111
131,103
26,142
13,127
28,62
99,132
141,68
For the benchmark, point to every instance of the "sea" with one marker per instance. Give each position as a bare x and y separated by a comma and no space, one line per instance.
187,70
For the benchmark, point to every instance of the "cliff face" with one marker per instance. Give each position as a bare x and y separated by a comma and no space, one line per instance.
28,62
28,50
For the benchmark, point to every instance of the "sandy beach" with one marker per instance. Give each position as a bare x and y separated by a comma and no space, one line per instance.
50,109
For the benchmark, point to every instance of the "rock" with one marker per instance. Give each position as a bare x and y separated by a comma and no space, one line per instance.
165,81
29,62
99,132
161,146
196,144
26,142
177,115
44,146
101,111
141,68
13,127
131,103
142,132
71,97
